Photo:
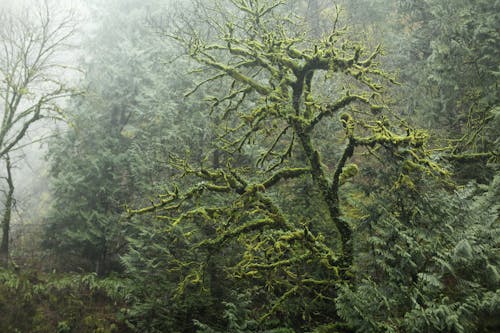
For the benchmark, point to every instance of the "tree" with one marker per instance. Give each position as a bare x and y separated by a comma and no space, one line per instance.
129,118
452,69
446,53
297,110
30,81
427,258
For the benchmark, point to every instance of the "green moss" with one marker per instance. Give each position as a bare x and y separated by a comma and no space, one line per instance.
405,181
348,171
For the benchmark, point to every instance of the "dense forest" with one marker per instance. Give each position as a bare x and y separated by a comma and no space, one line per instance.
240,166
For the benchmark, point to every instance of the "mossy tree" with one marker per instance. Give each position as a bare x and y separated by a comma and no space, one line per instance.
297,109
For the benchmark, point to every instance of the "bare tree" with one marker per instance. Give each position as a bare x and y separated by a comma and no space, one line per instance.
32,80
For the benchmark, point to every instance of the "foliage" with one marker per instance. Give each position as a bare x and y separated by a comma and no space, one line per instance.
39,303
234,223
294,196
452,59
118,139
430,263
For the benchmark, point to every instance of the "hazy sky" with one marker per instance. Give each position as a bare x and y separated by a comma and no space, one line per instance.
30,171
78,5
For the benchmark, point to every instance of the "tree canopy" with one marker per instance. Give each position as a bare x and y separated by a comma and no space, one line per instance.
274,166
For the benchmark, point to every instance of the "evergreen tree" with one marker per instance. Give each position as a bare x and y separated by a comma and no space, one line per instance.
118,135
452,64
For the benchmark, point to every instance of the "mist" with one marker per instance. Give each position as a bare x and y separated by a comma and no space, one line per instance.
249,166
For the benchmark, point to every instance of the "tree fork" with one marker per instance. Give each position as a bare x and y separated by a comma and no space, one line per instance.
330,196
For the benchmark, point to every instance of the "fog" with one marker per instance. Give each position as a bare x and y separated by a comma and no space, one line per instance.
249,166
30,165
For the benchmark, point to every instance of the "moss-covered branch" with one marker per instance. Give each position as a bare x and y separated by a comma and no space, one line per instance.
348,152
472,157
282,174
278,303
330,109
247,227
234,73
278,264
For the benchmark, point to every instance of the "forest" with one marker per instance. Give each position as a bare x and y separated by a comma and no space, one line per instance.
272,166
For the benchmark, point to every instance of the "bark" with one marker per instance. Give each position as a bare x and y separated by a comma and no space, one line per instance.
4,246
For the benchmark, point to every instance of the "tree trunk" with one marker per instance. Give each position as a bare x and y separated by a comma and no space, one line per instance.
101,264
4,246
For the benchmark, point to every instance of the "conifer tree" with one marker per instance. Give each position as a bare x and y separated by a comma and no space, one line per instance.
119,132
